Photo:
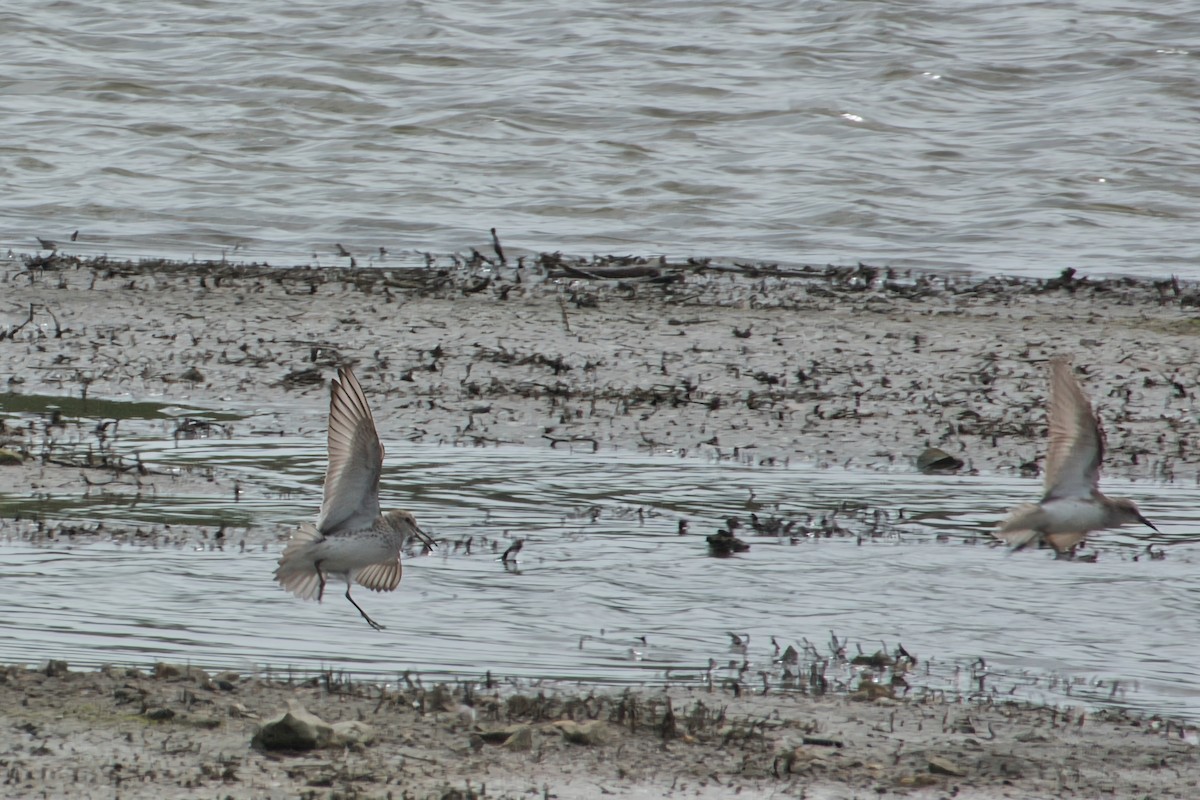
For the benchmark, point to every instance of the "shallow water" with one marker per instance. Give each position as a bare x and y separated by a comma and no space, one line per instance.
594,577
1012,137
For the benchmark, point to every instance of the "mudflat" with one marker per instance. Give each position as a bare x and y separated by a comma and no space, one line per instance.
849,366
177,731
834,366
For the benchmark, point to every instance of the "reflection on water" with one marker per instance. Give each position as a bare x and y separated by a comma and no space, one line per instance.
603,566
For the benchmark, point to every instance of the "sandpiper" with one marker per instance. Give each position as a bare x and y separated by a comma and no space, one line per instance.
352,539
1072,505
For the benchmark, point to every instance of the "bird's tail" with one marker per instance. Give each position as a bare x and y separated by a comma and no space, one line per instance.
296,571
1018,540
1019,530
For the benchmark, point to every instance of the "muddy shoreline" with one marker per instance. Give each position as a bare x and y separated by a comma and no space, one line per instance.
178,731
855,367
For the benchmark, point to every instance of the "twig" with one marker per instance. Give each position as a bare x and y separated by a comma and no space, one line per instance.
499,250
562,304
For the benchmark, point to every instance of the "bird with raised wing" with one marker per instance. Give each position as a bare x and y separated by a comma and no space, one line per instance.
352,539
1072,504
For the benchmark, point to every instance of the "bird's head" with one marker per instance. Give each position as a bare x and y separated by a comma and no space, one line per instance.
403,522
1128,511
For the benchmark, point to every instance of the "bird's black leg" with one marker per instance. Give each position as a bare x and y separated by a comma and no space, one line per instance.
370,621
321,578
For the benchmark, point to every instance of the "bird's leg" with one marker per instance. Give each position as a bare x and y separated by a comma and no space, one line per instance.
370,621
321,578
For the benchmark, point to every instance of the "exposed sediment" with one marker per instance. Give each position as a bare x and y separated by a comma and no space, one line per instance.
179,731
836,366
840,366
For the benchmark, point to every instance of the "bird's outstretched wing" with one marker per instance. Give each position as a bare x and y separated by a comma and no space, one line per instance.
1076,441
355,460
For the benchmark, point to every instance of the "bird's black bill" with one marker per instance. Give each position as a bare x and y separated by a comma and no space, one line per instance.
425,538
1147,523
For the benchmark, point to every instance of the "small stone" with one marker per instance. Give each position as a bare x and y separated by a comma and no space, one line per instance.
501,735
589,733
159,714
944,766
204,723
10,458
869,690
295,729
128,694
199,676
164,671
521,741
798,760
239,711
936,460
878,660
352,733
440,699
56,669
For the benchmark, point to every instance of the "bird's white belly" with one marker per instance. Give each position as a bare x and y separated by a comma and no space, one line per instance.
344,553
1072,516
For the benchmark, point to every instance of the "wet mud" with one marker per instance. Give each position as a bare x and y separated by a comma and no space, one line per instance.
855,366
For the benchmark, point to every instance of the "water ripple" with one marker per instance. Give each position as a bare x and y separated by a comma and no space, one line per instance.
606,589
941,135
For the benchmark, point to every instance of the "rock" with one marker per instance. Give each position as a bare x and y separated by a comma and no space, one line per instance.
878,660
869,690
239,711
799,760
936,460
165,672
521,740
944,766
170,672
440,699
589,733
129,694
56,669
501,735
10,458
295,729
723,544
204,723
352,733
226,681
519,706
159,714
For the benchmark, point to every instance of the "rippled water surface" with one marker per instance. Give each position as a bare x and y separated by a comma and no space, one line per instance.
1013,136
605,593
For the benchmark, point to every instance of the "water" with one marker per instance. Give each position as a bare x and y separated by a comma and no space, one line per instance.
1008,137
603,593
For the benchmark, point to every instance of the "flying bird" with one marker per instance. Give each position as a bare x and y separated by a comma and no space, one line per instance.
352,539
1072,504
